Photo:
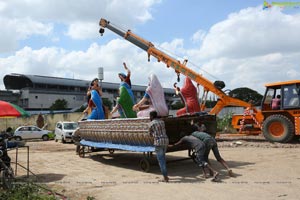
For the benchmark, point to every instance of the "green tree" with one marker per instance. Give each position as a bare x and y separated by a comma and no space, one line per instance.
247,94
224,124
59,104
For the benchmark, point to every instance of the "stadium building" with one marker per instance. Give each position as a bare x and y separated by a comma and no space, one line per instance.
34,92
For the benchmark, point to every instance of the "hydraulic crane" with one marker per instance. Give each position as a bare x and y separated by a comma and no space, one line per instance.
180,68
278,125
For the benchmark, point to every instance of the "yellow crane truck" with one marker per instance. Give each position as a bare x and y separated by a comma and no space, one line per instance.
279,124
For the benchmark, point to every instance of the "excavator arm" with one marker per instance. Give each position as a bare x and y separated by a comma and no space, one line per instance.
180,68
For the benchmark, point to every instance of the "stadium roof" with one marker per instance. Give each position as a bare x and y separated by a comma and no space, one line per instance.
16,81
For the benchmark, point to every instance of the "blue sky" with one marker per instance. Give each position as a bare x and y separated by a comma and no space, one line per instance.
234,41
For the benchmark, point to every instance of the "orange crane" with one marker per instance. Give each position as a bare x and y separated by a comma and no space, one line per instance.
273,131
224,100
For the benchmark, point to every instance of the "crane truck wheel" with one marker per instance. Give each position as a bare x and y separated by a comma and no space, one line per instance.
278,128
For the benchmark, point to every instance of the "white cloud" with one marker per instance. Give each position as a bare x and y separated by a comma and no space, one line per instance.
293,73
83,30
55,39
17,29
198,36
253,72
26,27
252,32
21,19
84,64
248,49
174,48
125,10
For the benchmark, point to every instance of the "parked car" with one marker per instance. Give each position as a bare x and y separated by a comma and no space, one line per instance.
31,132
64,131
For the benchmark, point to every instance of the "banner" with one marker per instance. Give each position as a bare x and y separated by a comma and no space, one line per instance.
282,5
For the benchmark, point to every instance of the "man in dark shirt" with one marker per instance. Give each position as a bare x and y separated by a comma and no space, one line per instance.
199,147
158,132
210,144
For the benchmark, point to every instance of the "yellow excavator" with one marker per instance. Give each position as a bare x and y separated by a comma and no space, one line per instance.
277,125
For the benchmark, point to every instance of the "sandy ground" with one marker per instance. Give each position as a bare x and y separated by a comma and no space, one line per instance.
262,171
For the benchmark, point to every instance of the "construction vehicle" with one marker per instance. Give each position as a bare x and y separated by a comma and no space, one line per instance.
277,125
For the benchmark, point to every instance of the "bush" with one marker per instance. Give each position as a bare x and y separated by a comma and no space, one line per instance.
224,124
26,191
32,191
51,136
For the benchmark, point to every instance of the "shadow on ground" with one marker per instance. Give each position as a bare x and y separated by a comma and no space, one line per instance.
181,168
49,177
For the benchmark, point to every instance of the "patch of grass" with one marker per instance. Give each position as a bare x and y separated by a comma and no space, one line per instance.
32,191
51,136
26,191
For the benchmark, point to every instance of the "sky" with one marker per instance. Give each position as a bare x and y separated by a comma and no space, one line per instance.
237,42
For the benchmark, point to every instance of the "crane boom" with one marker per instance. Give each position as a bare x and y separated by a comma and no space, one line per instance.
224,100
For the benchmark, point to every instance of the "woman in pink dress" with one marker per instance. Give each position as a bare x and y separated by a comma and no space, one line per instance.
155,96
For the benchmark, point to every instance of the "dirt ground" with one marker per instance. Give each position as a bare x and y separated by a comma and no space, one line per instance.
262,171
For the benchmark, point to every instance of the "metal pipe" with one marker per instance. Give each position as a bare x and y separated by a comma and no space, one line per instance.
16,167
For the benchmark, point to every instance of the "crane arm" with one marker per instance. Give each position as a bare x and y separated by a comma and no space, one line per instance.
224,100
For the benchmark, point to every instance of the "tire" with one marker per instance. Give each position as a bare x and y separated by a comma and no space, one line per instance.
111,151
7,177
278,128
81,152
145,165
18,138
45,137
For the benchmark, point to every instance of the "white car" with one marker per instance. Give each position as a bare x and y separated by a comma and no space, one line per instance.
31,132
64,131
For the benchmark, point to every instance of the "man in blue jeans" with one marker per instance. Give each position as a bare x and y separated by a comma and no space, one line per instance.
158,132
